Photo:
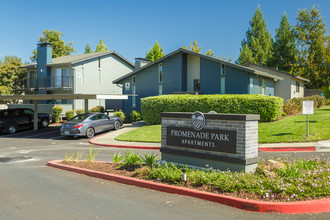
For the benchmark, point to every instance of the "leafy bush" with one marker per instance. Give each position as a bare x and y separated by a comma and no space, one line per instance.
326,91
56,112
149,159
69,114
268,107
97,109
135,116
79,111
117,157
131,159
120,114
284,114
92,154
328,102
294,105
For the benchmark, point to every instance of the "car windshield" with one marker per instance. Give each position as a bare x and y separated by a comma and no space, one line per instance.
79,118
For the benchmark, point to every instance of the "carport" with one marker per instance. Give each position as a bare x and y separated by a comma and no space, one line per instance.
36,98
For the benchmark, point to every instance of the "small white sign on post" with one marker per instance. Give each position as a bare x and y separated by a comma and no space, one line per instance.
308,109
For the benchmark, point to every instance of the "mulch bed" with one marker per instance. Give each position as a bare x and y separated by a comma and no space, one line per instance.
137,172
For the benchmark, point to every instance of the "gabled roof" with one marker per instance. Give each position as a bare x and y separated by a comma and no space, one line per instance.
73,59
278,71
181,50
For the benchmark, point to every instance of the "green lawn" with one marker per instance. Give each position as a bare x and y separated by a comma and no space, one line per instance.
149,133
290,129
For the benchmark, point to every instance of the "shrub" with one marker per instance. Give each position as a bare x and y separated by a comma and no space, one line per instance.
328,102
97,109
326,91
268,107
294,105
284,114
79,111
131,159
117,157
149,159
56,111
120,114
135,116
92,154
69,114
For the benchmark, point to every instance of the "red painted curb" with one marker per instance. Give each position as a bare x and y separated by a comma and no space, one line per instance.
313,206
274,149
122,146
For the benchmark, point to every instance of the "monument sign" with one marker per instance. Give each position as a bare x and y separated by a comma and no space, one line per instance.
223,141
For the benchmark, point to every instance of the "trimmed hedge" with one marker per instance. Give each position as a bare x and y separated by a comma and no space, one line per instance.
268,107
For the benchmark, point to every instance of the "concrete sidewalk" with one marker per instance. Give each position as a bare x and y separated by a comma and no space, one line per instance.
108,140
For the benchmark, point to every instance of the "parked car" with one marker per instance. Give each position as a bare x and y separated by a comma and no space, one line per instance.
12,120
89,124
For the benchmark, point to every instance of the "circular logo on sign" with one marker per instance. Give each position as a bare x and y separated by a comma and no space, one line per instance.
198,120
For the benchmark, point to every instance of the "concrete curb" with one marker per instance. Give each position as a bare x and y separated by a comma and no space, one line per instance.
92,141
286,149
313,206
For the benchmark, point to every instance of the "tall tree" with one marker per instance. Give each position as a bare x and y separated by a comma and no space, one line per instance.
155,52
311,39
12,78
100,47
258,40
59,48
88,49
285,49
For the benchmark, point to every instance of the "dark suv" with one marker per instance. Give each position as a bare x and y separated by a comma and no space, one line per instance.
12,120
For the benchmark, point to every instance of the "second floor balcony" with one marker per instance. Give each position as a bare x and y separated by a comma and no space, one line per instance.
50,83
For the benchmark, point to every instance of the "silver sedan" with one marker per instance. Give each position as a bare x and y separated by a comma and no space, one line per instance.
89,124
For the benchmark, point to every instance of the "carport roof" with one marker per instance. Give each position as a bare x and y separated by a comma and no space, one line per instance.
61,96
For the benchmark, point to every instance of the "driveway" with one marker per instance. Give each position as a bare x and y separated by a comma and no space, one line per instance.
30,190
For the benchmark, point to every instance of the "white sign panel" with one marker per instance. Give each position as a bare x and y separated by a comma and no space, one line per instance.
308,108
127,86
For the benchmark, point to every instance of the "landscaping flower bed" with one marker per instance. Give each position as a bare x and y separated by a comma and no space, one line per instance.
280,180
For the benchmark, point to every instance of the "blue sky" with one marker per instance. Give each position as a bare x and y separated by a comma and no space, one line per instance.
132,27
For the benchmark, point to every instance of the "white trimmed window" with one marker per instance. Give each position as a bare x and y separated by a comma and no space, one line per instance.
133,97
297,87
160,73
222,71
99,77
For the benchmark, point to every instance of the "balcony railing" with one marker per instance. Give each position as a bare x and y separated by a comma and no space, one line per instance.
51,83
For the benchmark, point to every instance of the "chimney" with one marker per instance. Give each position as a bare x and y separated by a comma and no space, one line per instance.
140,62
44,57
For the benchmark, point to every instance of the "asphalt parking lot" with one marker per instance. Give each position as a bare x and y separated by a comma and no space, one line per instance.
31,190
51,132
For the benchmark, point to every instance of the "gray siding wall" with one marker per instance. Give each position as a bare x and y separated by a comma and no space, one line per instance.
147,82
209,77
255,87
111,68
236,81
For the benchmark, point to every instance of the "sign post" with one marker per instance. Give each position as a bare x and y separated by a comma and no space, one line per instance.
308,109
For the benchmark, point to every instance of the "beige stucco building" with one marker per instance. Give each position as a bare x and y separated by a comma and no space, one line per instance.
290,87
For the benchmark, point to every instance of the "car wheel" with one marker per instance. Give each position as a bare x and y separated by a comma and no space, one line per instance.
117,125
44,123
90,132
11,129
